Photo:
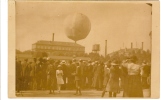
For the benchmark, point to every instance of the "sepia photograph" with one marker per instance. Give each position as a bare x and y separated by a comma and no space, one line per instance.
76,49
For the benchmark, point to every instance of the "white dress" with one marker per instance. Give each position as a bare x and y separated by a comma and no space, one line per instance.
59,77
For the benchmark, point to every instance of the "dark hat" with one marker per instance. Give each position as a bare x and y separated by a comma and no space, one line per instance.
77,63
40,59
133,58
51,61
115,62
109,61
70,61
56,62
34,59
26,59
89,61
44,59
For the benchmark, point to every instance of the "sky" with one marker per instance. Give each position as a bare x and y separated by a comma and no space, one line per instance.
118,23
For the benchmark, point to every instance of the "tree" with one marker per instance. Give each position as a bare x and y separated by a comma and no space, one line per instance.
28,52
18,51
37,54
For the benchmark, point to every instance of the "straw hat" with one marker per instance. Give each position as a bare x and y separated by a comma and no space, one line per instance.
59,66
63,62
80,60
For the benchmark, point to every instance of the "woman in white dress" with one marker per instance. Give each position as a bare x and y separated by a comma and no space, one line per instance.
59,77
132,82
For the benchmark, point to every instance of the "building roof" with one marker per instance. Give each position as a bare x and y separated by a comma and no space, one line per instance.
126,50
58,43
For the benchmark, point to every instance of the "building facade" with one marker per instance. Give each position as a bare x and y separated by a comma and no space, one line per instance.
57,48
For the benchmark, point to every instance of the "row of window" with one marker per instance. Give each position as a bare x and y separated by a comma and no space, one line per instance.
64,53
59,48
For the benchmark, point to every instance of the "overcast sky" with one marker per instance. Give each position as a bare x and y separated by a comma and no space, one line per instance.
117,23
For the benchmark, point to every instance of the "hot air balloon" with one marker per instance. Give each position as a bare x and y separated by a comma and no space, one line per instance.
77,26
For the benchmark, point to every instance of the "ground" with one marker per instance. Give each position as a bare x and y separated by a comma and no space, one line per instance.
70,94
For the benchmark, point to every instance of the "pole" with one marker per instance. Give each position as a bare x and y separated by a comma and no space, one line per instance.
105,48
142,45
131,45
53,38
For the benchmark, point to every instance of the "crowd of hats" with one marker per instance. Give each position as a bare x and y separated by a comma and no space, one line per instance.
112,62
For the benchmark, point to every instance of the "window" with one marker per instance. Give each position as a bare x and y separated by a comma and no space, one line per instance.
37,46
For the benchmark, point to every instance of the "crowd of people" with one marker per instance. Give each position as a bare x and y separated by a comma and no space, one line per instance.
110,76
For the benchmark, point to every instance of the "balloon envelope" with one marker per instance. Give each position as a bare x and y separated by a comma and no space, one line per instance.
77,26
